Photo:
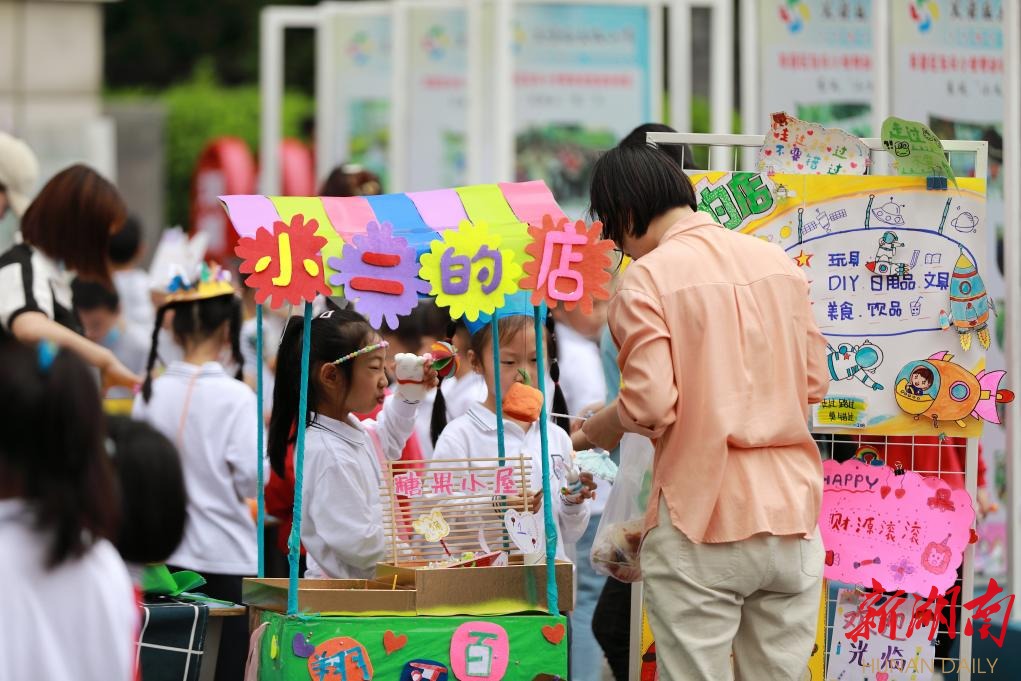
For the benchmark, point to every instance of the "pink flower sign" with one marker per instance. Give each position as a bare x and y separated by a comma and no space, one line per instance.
906,531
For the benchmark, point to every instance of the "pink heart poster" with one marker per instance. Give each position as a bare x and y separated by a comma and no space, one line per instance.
905,531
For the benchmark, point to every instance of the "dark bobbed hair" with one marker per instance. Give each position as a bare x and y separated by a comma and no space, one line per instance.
680,153
53,449
634,185
90,295
481,345
198,320
126,243
72,219
351,180
334,333
153,496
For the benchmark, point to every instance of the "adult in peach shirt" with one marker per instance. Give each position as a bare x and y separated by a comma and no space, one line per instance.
720,357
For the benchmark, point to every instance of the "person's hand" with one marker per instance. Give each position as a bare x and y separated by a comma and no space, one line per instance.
580,441
586,413
502,503
604,430
415,376
116,375
588,490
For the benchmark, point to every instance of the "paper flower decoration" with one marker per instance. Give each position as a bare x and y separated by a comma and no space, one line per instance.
468,272
569,264
379,274
284,264
432,526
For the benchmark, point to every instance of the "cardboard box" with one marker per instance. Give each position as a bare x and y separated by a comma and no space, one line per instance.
515,588
361,597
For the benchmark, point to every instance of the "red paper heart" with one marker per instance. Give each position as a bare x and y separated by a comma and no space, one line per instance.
829,148
853,164
554,634
810,132
801,166
882,676
884,490
769,152
776,136
899,493
973,538
392,642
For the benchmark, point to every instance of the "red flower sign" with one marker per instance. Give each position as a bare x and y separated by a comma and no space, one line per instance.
569,264
284,265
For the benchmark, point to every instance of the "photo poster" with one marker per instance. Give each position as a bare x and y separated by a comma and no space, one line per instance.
815,58
438,97
582,80
948,73
362,65
887,263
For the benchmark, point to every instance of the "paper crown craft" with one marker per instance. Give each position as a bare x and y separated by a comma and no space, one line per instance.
517,304
208,281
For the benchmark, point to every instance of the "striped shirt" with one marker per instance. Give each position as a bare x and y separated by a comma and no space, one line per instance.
31,281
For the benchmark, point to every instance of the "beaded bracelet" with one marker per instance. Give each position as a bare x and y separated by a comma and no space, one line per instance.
364,351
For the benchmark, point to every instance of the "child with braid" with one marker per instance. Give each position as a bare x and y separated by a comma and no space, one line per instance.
211,417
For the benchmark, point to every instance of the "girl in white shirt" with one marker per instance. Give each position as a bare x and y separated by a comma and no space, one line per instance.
69,609
341,513
212,419
474,434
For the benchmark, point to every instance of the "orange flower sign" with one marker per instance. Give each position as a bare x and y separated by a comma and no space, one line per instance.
569,264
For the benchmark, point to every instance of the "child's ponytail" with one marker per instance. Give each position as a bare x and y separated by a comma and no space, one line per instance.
559,401
334,334
161,313
285,395
439,415
235,338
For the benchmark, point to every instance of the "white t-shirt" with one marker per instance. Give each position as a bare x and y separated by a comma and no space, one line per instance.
341,512
474,435
77,621
135,291
459,394
218,447
581,370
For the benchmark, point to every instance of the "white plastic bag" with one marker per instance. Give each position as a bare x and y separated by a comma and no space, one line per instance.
619,537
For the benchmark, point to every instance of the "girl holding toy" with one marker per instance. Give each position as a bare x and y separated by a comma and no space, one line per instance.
474,434
211,417
341,515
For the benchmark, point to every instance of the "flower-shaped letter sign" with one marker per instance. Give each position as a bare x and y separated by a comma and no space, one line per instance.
468,271
284,264
569,264
379,272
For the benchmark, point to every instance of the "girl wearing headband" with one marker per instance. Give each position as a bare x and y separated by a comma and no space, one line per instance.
342,517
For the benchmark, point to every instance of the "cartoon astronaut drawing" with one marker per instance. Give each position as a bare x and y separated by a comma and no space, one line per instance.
887,250
855,361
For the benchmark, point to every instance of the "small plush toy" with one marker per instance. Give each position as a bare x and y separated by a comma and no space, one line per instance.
444,358
522,402
410,371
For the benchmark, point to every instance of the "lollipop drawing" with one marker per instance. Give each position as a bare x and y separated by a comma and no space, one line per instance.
944,391
970,305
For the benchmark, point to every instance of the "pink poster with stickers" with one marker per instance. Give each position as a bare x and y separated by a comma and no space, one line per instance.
906,531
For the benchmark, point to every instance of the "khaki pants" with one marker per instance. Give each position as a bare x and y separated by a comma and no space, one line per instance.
757,598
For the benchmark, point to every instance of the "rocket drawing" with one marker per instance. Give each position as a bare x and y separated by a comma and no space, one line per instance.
970,305
945,391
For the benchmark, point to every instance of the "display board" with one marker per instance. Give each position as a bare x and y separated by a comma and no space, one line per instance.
895,276
583,78
815,61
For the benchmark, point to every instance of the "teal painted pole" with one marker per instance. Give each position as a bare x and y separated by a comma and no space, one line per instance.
294,541
547,493
261,501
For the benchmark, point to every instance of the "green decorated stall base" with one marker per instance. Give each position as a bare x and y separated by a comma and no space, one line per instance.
320,648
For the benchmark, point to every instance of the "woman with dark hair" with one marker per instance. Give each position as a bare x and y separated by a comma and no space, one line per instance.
720,357
350,179
65,231
68,604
